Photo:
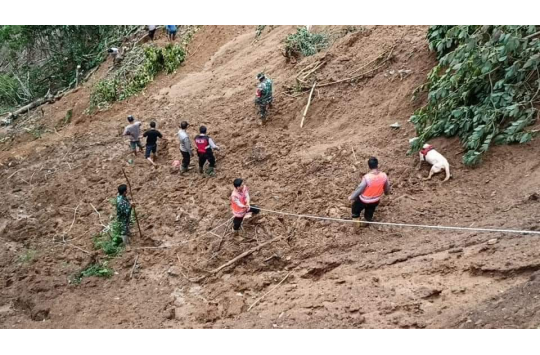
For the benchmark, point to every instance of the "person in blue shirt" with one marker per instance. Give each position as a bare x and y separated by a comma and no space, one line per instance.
171,32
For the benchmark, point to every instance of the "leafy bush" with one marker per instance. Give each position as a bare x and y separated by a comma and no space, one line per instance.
304,43
97,269
105,92
110,242
139,68
484,88
173,56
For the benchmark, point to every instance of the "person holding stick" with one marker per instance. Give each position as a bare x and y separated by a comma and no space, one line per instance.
123,212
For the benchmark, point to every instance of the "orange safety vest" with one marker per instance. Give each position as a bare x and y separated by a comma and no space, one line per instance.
375,187
242,196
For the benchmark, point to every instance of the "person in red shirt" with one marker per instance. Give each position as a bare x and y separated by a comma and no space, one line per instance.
240,204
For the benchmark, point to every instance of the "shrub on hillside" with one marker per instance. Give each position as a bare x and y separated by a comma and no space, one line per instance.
484,88
304,43
138,69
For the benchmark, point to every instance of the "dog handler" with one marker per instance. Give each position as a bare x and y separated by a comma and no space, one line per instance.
368,194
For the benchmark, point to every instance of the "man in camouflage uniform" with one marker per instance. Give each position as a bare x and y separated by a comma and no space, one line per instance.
264,95
123,212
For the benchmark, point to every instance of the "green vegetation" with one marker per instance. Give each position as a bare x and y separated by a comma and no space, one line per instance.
111,241
304,43
139,67
28,256
40,59
97,269
484,88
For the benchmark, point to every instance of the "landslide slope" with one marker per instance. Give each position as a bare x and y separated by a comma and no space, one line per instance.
379,278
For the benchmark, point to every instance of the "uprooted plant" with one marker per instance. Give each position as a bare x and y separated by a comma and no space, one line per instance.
484,88
304,43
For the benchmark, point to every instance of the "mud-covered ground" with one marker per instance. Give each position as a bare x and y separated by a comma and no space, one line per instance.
57,188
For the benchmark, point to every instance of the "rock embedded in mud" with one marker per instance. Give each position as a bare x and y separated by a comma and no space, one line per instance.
492,241
174,271
428,292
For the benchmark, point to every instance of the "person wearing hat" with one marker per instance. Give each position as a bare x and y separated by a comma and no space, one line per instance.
263,95
133,130
204,146
185,146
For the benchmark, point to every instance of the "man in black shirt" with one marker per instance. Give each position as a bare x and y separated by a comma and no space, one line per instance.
151,142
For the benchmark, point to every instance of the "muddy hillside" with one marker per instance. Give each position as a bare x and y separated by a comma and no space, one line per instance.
301,273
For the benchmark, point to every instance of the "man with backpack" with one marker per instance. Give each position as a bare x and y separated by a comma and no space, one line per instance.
204,146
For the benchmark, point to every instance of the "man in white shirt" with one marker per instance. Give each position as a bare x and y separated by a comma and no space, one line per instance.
185,146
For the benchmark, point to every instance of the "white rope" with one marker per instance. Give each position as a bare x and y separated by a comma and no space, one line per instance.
469,229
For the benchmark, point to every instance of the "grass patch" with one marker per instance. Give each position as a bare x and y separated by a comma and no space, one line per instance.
97,269
28,256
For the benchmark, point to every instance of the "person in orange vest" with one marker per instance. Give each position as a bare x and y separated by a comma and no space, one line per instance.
240,204
368,194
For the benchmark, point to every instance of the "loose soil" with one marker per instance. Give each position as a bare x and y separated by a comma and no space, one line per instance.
379,277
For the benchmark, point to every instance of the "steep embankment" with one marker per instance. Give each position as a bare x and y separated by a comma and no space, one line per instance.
380,277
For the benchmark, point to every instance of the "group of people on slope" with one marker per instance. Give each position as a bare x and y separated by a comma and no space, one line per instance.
203,143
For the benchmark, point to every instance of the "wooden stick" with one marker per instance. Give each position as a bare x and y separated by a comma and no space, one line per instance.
354,154
133,268
308,103
273,288
133,200
241,256
74,217
9,177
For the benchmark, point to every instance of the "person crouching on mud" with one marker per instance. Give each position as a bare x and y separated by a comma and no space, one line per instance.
240,204
123,212
204,146
368,194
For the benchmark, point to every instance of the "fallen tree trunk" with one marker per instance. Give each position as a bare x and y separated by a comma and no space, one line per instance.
27,108
241,256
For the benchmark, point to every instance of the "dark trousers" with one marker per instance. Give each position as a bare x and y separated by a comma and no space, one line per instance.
186,158
358,206
206,156
151,34
237,221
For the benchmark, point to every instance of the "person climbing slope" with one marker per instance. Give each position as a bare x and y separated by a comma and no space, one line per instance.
263,97
185,146
240,204
204,145
133,130
152,136
368,194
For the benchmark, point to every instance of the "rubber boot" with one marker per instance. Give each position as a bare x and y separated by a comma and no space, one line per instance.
183,170
357,224
200,170
211,172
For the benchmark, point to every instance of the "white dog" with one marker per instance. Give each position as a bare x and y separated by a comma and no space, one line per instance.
438,162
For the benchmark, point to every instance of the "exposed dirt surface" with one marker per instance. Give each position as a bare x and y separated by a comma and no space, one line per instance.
378,277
